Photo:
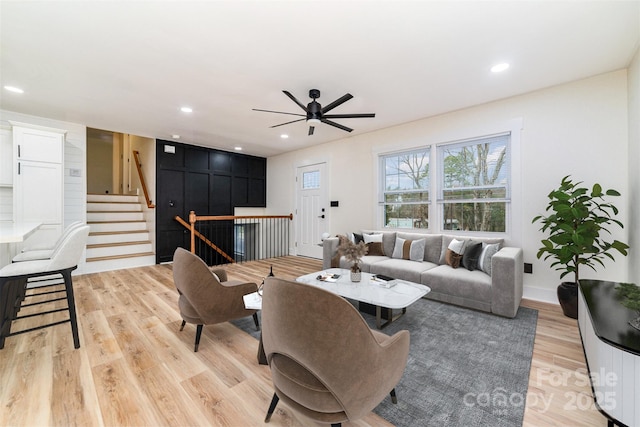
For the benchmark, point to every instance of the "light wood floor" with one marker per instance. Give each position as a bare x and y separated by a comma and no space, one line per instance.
134,368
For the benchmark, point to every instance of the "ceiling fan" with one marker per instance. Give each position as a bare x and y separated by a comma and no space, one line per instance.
316,113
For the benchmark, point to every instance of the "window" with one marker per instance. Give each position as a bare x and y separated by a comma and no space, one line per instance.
311,180
405,193
474,178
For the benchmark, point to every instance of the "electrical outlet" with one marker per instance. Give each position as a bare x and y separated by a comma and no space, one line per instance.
75,172
528,268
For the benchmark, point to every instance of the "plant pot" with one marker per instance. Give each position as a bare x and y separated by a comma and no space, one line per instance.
356,274
568,298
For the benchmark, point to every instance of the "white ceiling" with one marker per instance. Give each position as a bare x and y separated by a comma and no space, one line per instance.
130,66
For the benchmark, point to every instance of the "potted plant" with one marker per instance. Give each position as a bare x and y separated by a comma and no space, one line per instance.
578,221
353,253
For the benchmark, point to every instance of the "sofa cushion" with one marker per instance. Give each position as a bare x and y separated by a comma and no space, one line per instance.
409,249
388,240
401,269
473,285
375,249
488,251
365,262
471,255
432,246
452,258
446,240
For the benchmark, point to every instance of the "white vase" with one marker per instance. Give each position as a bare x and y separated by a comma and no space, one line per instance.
356,274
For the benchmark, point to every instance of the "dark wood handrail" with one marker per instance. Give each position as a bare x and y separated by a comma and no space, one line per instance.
136,156
233,217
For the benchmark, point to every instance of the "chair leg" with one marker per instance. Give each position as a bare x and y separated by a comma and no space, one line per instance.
256,321
184,322
394,399
198,334
68,284
272,407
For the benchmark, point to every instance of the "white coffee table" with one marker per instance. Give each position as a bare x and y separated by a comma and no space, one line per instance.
371,291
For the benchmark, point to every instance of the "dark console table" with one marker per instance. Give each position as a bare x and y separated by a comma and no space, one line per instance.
612,351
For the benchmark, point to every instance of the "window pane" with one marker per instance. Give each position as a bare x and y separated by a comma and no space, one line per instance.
406,189
406,215
311,180
406,171
478,163
489,216
475,184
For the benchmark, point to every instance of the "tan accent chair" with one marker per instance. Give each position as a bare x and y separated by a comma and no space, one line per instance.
206,296
325,361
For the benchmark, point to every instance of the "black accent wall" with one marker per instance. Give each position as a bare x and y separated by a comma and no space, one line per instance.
207,181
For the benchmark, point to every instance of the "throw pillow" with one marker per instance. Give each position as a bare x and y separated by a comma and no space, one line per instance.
368,238
409,249
452,259
398,248
457,246
488,251
471,255
375,249
356,238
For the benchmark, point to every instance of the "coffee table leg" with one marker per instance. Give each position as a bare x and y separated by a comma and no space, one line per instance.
379,323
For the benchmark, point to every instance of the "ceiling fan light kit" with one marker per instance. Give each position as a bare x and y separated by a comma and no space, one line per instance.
316,114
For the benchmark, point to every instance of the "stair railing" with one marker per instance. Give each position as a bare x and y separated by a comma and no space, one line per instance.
232,238
136,156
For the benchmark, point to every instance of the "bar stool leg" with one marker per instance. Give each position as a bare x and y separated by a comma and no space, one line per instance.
68,284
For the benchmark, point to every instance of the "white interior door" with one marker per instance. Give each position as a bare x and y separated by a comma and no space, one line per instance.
312,212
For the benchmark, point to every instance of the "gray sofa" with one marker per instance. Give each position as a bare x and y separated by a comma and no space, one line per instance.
499,293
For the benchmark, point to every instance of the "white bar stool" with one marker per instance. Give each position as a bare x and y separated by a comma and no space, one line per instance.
13,285
45,252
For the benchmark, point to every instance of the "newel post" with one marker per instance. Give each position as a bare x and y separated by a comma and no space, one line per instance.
192,221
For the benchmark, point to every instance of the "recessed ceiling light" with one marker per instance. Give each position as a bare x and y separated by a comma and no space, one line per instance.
238,148
186,109
499,67
284,136
14,89
175,136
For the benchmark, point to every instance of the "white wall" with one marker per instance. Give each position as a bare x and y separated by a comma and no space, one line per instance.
633,224
577,129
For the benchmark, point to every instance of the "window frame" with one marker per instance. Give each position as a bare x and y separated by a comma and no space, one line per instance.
441,201
383,192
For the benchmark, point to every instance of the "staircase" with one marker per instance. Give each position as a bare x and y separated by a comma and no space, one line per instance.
119,236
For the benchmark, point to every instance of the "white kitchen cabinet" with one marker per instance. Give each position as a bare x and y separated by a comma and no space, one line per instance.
38,190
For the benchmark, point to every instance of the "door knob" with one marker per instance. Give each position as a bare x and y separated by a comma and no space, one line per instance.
321,216
171,204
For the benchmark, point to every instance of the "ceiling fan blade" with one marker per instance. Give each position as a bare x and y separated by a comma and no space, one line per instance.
293,98
292,121
334,124
311,130
337,102
278,112
349,116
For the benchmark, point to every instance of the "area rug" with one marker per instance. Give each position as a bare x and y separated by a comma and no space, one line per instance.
465,368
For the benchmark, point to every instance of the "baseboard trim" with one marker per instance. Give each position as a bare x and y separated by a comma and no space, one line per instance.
540,294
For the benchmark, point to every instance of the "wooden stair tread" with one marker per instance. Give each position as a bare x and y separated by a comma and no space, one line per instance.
107,245
114,202
111,257
88,211
116,222
108,233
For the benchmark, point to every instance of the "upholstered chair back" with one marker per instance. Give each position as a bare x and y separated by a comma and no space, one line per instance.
325,360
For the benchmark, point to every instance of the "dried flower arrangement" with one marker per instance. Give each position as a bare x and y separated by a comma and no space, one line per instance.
352,252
